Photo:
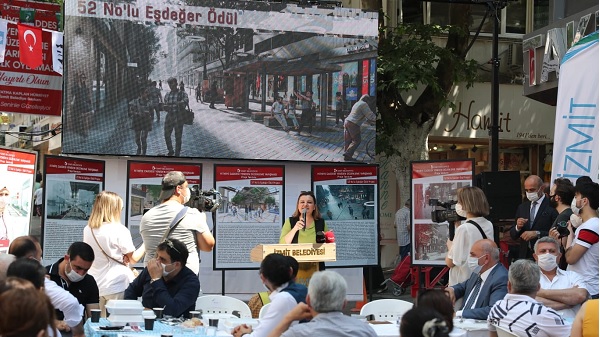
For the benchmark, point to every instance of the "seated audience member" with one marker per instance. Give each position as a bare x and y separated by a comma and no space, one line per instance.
519,312
423,322
166,282
25,312
485,286
28,247
71,273
582,247
276,274
561,290
586,320
437,300
260,299
324,304
30,274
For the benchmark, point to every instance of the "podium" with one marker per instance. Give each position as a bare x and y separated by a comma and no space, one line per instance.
302,252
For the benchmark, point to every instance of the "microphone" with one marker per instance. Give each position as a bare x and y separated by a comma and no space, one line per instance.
304,218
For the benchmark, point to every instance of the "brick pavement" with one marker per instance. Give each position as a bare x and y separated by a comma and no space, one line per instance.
219,133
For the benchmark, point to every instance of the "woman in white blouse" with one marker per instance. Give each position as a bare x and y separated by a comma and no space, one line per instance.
113,248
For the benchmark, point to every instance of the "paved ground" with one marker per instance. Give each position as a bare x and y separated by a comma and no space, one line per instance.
220,133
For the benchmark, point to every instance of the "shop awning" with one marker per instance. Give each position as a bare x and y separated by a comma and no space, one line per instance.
278,66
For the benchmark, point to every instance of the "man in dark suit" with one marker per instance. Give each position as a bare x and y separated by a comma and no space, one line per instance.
534,217
487,283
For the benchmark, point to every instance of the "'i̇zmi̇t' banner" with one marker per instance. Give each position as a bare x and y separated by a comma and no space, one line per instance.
434,180
70,188
250,214
347,197
17,171
144,185
23,90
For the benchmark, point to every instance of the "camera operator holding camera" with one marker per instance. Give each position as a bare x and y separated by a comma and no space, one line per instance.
160,222
472,205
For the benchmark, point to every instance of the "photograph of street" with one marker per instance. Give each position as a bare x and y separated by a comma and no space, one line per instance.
430,243
255,91
70,200
346,202
249,204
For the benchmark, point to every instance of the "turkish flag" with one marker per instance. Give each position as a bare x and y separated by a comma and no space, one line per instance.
30,46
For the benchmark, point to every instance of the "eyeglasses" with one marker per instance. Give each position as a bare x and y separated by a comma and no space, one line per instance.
170,244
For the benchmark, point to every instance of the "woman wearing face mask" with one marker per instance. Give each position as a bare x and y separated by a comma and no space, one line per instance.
302,227
157,224
113,248
472,205
276,274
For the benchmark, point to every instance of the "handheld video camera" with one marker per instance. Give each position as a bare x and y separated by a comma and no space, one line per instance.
443,211
203,201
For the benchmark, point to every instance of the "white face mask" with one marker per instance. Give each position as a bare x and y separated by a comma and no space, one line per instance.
473,264
460,211
187,196
73,276
165,272
574,207
575,220
4,201
547,261
532,196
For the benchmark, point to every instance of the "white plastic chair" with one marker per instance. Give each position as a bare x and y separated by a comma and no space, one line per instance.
504,333
217,304
263,310
386,309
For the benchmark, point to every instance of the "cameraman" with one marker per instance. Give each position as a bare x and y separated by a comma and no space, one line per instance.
192,230
472,204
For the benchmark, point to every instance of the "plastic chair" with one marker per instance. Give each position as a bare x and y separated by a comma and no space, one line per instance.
217,304
263,310
386,309
504,333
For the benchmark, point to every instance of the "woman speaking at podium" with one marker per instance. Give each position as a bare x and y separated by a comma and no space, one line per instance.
302,227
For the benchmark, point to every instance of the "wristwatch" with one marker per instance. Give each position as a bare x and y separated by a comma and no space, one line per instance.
538,234
154,279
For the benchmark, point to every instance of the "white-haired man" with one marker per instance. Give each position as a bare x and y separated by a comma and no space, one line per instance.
324,303
561,290
519,312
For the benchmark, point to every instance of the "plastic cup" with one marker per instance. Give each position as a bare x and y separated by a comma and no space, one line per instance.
149,322
158,312
194,314
213,322
96,315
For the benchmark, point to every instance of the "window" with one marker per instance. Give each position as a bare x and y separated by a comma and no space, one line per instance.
541,13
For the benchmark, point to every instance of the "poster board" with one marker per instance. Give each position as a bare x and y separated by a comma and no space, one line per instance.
70,188
348,200
434,180
144,183
250,214
17,172
24,90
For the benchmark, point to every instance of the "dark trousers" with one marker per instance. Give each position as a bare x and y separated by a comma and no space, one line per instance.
307,118
339,114
404,251
172,123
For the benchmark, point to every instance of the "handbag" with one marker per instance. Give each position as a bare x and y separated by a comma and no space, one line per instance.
188,115
133,270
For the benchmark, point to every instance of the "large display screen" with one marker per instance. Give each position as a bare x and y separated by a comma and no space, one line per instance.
227,65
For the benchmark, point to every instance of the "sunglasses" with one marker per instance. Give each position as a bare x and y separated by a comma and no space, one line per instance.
170,244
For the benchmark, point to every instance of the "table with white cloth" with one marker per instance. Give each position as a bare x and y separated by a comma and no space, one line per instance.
462,328
93,330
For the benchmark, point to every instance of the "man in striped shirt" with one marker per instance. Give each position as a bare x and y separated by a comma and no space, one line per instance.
519,312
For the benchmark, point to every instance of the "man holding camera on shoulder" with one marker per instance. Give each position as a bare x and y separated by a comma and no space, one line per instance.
171,219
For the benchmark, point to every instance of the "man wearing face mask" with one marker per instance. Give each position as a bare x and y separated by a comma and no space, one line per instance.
561,290
534,217
487,283
582,245
166,282
71,273
192,229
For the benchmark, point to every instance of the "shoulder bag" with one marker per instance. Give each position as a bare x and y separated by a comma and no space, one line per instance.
133,270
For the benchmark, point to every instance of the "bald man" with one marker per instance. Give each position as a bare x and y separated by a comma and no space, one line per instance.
534,217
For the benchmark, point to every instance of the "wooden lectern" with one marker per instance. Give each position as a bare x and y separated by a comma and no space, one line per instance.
302,252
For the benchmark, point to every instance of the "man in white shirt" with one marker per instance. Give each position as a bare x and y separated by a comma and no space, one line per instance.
37,200
563,291
583,248
402,224
519,312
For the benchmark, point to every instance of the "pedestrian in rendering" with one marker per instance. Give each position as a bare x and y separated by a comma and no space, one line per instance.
213,95
361,112
339,106
175,102
81,105
156,101
141,114
308,112
291,112
277,111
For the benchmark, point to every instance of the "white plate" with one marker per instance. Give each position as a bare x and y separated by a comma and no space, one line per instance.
231,323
